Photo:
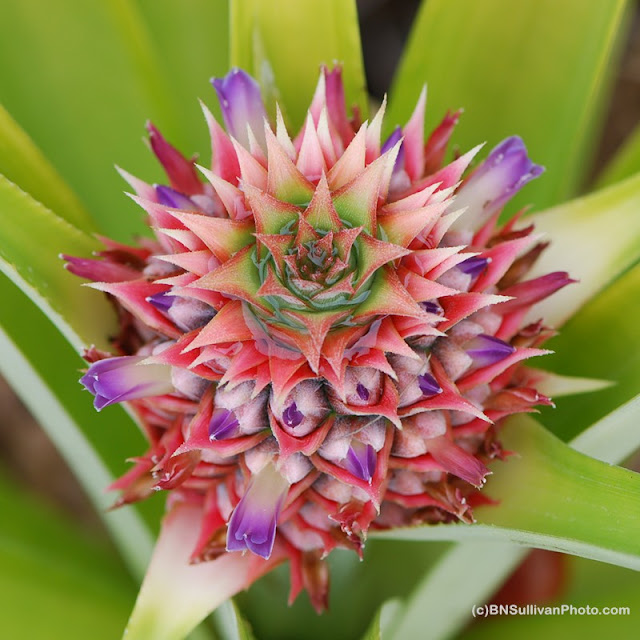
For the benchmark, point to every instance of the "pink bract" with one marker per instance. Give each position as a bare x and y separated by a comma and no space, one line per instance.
337,324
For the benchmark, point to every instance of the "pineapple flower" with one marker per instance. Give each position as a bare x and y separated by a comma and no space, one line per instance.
326,332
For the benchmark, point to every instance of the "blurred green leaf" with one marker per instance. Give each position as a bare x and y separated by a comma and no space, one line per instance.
536,68
615,437
476,570
601,341
374,632
602,232
25,165
625,163
191,44
43,369
32,238
282,43
56,582
391,568
93,80
469,573
552,498
231,624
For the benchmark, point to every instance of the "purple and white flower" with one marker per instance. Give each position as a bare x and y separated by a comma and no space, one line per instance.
124,378
242,106
252,526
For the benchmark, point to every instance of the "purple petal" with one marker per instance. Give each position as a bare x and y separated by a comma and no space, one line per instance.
242,106
428,385
171,198
486,350
253,522
161,301
432,307
123,378
474,266
391,142
361,460
505,171
291,416
223,424
362,391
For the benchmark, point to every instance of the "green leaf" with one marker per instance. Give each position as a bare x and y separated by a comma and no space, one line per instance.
25,165
33,237
601,342
538,68
56,582
191,44
614,437
43,369
231,624
557,386
625,163
374,632
553,498
315,32
595,239
481,567
469,574
92,82
358,589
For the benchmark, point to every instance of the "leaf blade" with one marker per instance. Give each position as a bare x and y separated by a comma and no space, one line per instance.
87,97
602,232
25,165
497,46
325,30
607,324
74,582
610,440
32,238
41,367
559,514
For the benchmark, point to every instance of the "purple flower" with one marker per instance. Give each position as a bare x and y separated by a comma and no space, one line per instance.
486,350
171,198
391,142
474,266
361,460
291,416
161,301
223,424
242,106
120,379
253,522
362,391
432,307
505,171
429,385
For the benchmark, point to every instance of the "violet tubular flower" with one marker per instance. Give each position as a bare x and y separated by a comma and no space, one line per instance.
252,526
505,171
124,378
335,331
242,106
361,460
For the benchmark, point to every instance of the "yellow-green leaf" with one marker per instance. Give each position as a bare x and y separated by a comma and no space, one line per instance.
283,43
536,68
